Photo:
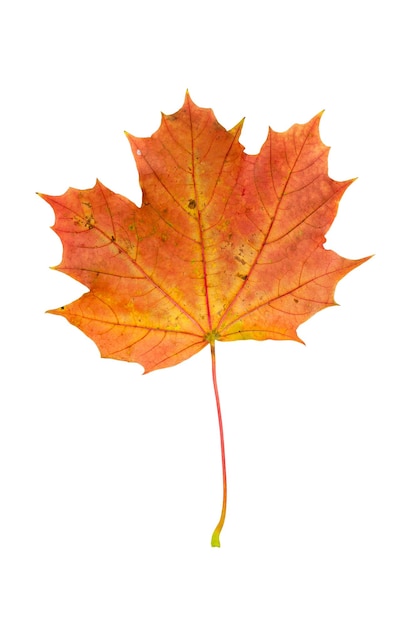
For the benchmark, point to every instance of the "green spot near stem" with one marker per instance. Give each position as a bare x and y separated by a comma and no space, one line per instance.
212,336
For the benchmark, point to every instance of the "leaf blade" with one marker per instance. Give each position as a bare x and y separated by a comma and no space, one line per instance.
225,246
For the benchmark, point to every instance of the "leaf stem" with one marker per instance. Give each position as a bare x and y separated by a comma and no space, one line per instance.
215,541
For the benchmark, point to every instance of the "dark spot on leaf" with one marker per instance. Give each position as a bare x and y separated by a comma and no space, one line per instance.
89,221
295,300
191,204
62,307
113,238
243,276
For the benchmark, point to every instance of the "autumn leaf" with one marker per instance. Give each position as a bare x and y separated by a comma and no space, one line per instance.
225,246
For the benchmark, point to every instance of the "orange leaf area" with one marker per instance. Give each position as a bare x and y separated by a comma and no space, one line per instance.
225,246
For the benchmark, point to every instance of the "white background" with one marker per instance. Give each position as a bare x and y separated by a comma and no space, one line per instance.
110,482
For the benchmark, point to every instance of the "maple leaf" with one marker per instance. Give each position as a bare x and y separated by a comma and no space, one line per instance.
225,246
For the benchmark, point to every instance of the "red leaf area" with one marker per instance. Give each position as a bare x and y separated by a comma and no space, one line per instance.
225,246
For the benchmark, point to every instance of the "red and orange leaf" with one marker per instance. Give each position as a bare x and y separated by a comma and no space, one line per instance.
225,246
